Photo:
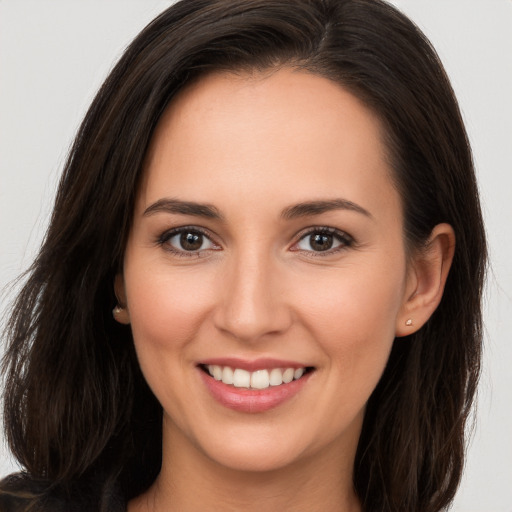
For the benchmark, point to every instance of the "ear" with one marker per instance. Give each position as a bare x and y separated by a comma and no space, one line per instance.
121,312
426,279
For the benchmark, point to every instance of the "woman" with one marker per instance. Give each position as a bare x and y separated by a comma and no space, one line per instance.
278,205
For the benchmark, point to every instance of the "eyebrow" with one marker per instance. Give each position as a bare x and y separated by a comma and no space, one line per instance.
306,209
311,208
169,205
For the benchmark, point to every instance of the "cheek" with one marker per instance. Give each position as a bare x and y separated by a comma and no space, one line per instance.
166,308
167,311
354,318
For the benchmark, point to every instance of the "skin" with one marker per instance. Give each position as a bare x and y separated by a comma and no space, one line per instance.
253,147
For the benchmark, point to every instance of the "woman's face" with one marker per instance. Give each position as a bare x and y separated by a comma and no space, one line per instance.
267,242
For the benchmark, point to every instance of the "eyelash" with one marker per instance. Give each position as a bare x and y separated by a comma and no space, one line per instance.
345,241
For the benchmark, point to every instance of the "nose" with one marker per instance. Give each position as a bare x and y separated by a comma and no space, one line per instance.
252,304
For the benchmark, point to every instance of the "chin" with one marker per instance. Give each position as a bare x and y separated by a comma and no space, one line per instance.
255,459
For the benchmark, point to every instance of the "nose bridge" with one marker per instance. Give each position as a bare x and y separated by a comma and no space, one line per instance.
252,304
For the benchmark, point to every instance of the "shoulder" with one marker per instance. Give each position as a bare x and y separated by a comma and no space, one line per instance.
10,503
20,493
16,495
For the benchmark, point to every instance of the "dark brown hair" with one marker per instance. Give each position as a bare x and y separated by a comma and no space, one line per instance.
76,405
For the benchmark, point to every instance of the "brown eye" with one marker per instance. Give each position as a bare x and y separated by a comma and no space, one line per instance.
187,241
191,241
323,240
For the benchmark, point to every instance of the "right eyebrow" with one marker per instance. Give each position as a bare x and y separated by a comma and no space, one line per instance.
170,205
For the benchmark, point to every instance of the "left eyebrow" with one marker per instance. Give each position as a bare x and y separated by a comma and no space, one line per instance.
168,205
311,208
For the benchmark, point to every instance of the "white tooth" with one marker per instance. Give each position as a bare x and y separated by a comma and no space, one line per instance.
288,375
260,379
217,372
241,378
276,377
210,369
298,373
227,375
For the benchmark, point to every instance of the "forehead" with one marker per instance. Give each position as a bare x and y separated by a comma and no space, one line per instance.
248,134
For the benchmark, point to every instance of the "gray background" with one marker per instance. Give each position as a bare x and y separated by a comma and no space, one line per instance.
54,55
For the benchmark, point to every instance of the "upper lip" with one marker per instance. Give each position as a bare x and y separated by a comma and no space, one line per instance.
264,363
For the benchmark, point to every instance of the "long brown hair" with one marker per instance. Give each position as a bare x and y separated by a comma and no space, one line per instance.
76,405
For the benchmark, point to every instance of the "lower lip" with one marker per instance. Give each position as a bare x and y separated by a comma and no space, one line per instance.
252,400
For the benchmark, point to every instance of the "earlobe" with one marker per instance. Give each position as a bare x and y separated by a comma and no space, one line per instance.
120,312
427,279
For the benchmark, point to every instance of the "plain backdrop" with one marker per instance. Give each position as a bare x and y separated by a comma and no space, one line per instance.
54,54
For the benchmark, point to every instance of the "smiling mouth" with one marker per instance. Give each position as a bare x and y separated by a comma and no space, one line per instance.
259,379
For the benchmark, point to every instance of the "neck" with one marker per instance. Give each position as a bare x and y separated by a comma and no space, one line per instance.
191,481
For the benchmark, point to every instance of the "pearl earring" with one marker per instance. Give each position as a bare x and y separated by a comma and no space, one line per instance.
116,311
408,322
